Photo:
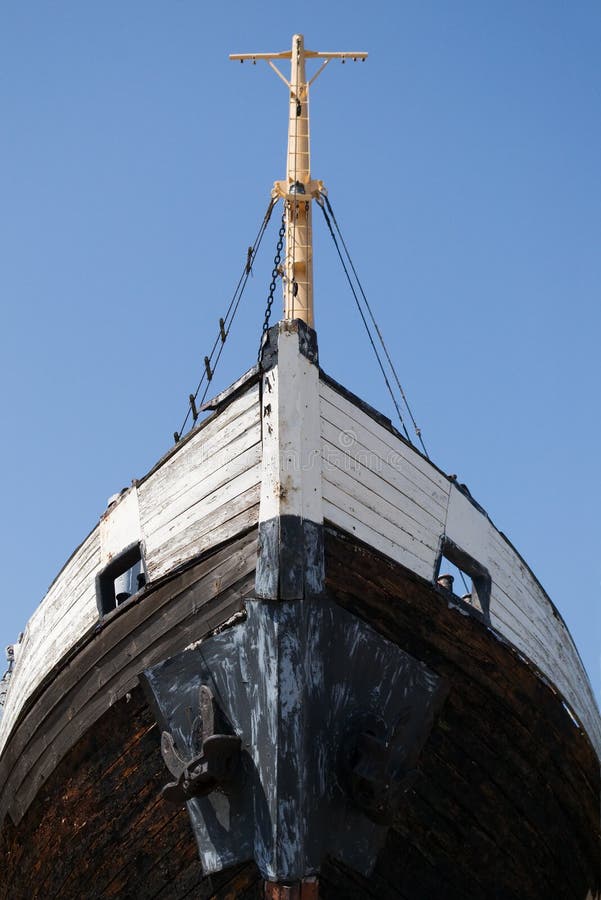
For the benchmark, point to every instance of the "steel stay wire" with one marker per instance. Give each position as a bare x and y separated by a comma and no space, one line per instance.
361,313
227,322
372,317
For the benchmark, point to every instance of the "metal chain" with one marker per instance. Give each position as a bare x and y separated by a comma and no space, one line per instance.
274,274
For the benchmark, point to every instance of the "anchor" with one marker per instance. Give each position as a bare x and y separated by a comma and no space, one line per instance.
326,754
215,760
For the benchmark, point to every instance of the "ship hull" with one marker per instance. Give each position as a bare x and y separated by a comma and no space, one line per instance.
386,737
504,805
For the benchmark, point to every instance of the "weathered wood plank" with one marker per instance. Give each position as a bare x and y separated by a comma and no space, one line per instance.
206,425
561,668
219,470
120,525
35,658
186,472
379,475
542,640
337,410
200,454
517,584
111,690
380,540
290,563
231,393
393,509
108,665
520,609
212,471
193,483
66,589
291,470
226,491
535,617
168,508
220,525
211,573
40,652
519,606
60,613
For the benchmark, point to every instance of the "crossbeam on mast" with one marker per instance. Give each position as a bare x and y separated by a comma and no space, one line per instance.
298,189
309,54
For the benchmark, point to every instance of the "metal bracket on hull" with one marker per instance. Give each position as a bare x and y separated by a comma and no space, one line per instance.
378,764
331,717
214,764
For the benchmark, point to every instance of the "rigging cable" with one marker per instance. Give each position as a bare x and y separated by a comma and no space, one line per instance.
371,315
225,324
361,313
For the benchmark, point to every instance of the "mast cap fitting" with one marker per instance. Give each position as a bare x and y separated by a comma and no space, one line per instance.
288,191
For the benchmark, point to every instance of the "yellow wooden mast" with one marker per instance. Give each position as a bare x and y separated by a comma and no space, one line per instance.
298,190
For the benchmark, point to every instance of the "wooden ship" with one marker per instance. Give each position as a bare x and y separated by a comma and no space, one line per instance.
252,679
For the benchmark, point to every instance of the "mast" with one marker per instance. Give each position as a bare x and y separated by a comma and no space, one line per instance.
298,189
298,275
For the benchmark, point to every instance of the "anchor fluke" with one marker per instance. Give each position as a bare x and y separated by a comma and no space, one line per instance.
214,761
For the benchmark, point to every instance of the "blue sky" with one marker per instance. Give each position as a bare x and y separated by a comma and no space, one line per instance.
463,162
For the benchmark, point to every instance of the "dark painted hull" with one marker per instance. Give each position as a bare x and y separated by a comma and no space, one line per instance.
505,804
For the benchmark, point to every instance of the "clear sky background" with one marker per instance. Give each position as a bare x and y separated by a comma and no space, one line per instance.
463,160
